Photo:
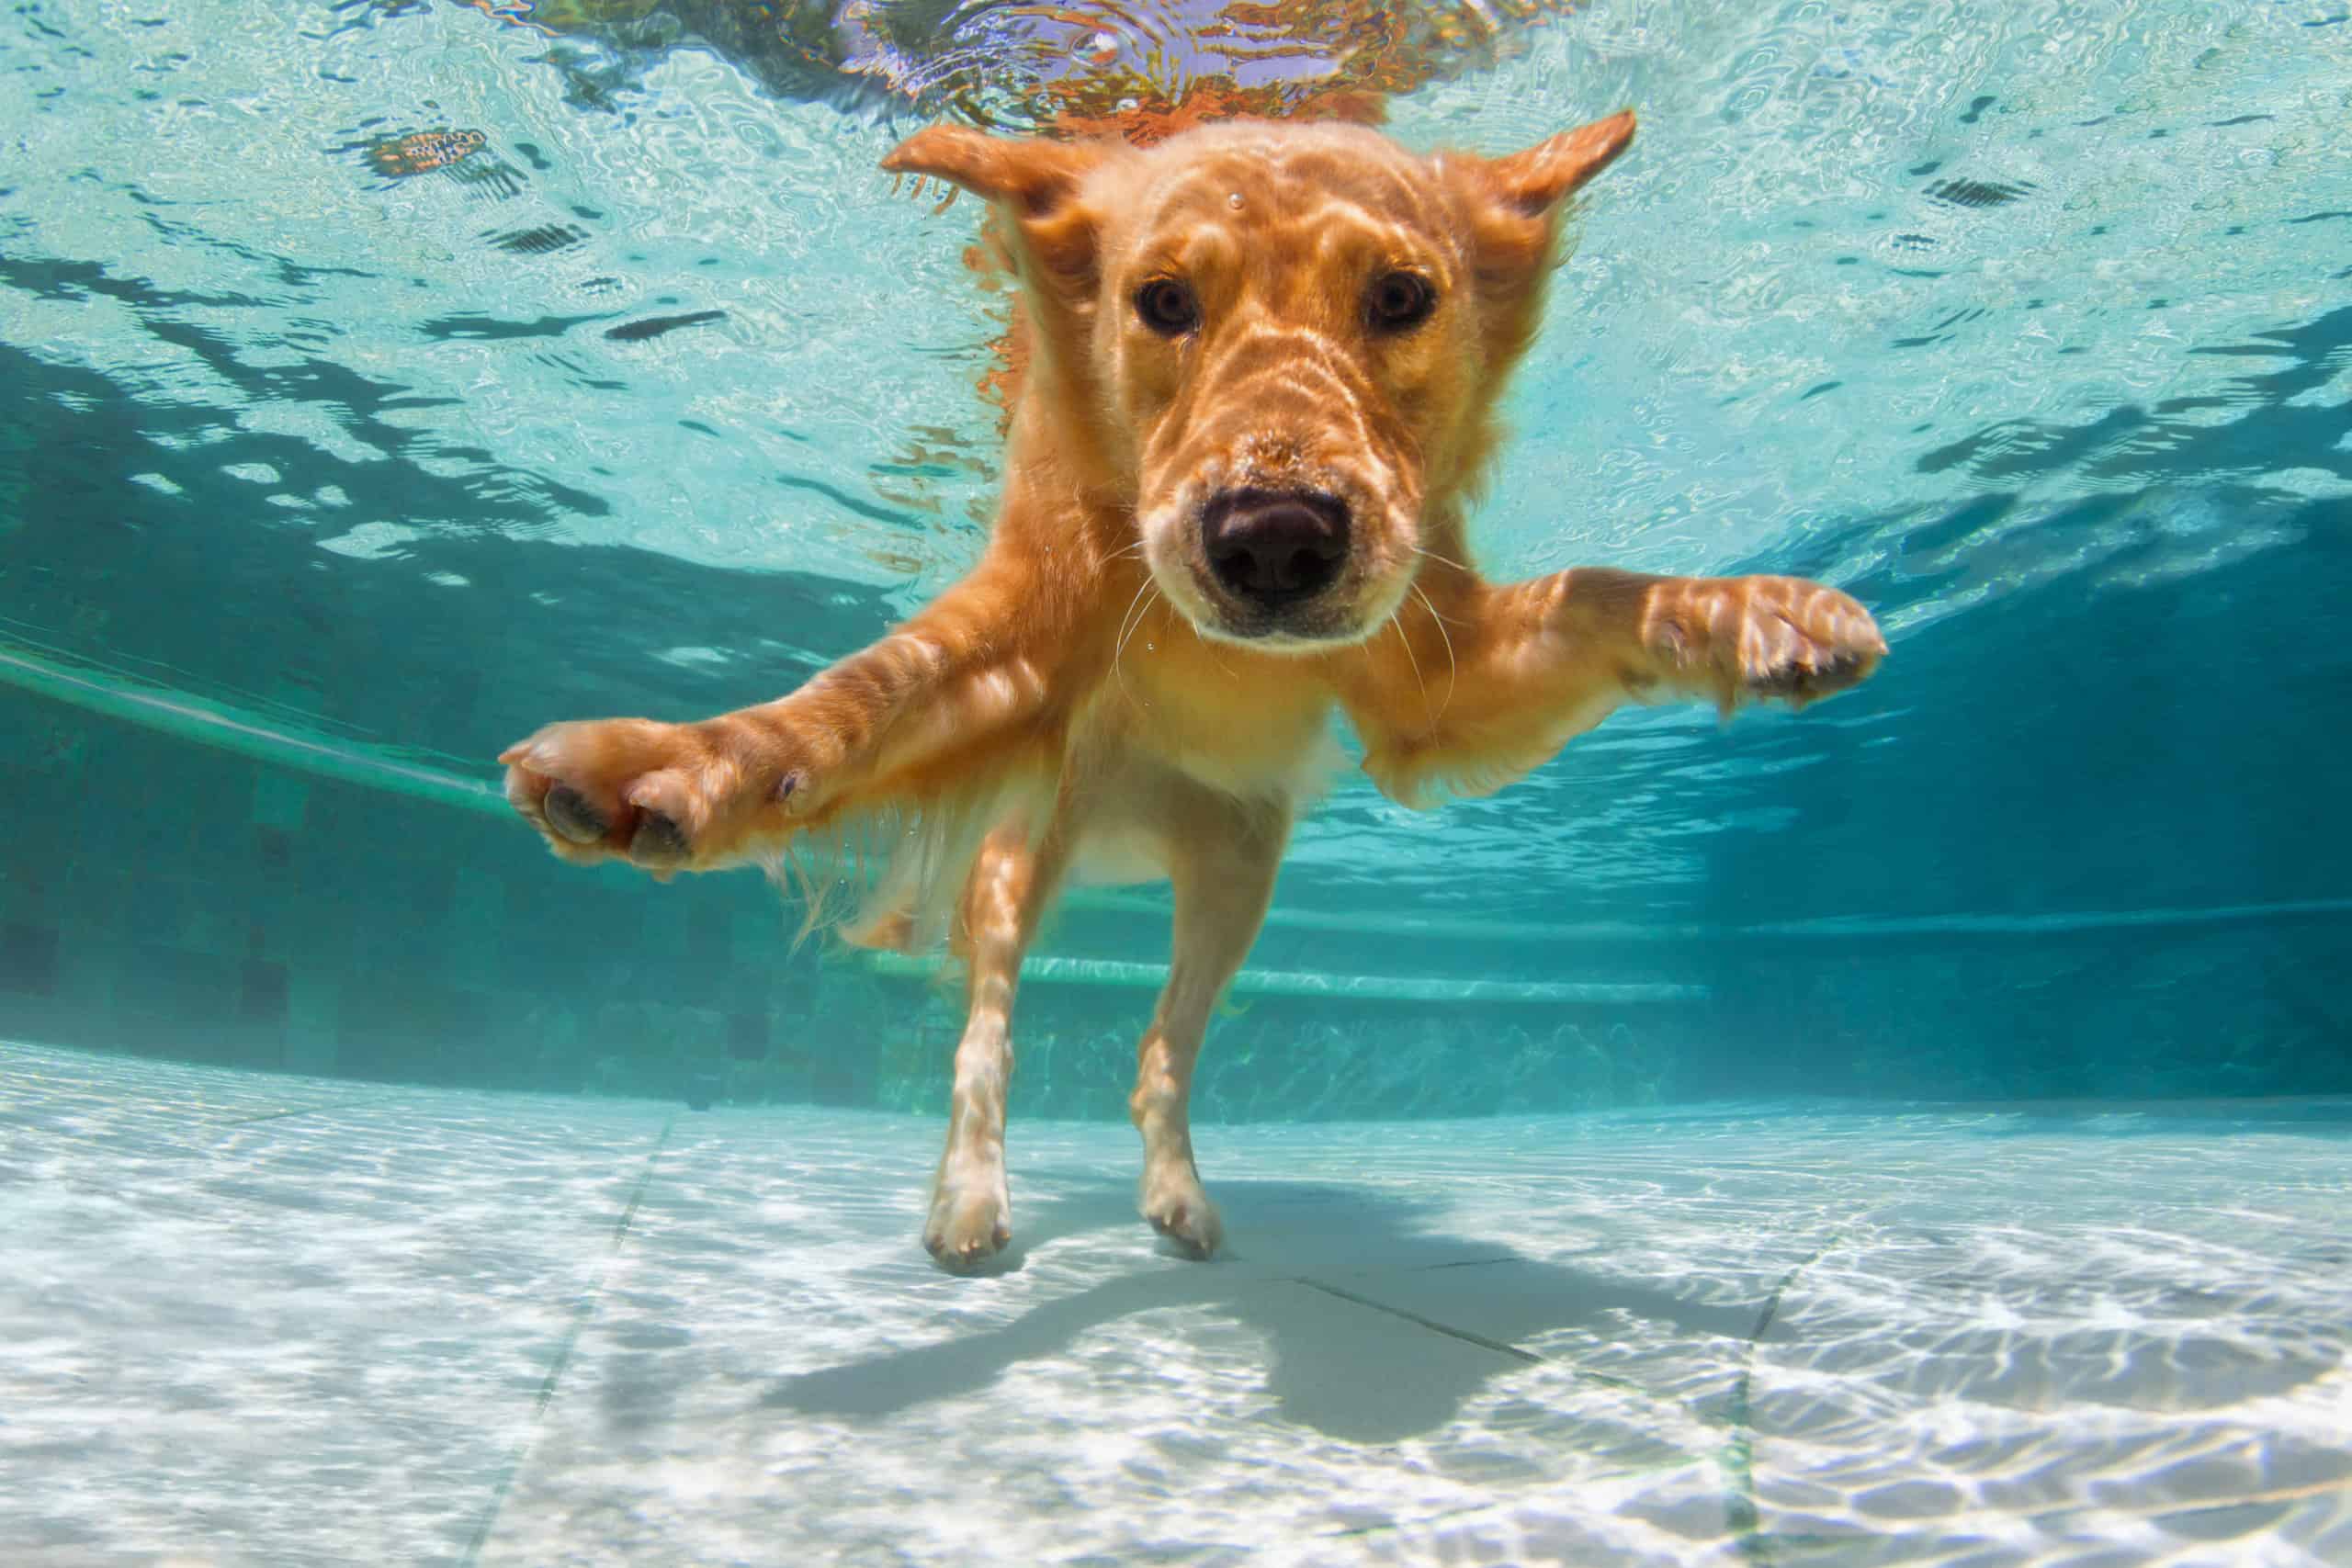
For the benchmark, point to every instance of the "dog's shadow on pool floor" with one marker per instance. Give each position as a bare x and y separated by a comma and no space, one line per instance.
1376,1327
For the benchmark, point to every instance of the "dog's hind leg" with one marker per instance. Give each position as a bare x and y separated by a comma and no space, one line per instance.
1222,855
1010,883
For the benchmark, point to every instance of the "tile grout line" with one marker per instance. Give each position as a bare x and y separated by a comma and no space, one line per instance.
218,1129
1738,1459
282,1115
1749,1540
1499,1346
581,1311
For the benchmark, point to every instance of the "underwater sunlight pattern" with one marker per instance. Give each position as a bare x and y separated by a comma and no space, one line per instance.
1912,1131
2030,333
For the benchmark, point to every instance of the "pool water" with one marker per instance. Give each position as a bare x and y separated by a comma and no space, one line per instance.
1912,1131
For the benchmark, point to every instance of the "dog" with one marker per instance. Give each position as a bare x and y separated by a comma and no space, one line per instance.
1264,364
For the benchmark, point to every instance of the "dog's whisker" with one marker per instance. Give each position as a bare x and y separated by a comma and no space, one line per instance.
1147,606
1120,647
1452,671
1137,607
1129,626
1427,554
1394,620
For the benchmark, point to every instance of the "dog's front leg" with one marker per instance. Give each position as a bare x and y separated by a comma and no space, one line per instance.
703,795
1502,677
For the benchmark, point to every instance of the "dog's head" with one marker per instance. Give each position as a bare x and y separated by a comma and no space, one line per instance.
1284,342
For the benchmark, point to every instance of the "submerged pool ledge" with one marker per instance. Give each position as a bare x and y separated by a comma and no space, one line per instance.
203,721
190,717
1119,973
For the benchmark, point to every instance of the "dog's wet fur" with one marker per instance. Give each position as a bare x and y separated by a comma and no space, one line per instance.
1261,397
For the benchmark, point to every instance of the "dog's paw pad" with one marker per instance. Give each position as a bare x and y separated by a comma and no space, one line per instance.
573,817
659,841
660,796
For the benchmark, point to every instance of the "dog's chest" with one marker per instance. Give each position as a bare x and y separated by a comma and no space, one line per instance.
1146,776
1246,725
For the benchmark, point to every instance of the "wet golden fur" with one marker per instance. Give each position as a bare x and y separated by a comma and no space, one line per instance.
1243,316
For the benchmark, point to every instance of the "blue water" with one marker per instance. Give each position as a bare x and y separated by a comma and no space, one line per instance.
2033,333
2028,324
1909,1132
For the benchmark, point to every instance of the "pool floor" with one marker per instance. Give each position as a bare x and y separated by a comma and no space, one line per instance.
263,1319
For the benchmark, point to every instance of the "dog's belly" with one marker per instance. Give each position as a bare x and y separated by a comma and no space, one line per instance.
1138,804
1111,859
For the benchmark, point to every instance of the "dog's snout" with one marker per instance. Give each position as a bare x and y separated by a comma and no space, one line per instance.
1270,547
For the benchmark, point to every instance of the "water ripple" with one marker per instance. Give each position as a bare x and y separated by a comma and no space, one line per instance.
1948,303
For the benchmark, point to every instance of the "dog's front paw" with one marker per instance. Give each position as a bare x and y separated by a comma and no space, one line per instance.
970,1223
664,796
1173,1201
1755,639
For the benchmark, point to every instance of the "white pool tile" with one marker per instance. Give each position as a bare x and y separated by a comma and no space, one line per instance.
288,1321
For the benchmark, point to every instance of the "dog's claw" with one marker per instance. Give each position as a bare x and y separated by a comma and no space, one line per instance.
966,1258
1179,1210
968,1225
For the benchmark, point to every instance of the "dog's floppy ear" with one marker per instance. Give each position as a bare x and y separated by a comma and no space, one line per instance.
1513,202
1538,179
1030,176
1037,181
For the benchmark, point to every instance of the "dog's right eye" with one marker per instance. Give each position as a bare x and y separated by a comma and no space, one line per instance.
1168,307
1399,301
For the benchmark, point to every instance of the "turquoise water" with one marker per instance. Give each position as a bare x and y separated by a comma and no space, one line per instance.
321,484
1908,1131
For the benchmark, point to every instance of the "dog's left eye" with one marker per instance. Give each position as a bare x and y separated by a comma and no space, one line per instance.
1168,307
1398,300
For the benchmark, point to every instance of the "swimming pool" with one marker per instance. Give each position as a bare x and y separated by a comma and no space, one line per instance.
380,380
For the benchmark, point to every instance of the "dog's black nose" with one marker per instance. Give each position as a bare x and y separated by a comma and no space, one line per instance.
1274,547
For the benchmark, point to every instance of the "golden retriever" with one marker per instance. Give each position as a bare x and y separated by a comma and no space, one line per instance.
1264,364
